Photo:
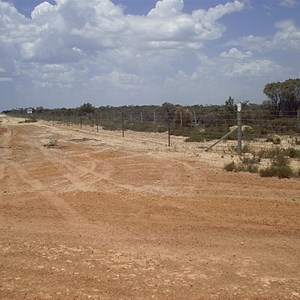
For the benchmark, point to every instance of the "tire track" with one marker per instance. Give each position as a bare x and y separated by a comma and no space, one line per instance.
59,203
36,185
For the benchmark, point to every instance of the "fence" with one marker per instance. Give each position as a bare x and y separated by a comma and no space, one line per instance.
196,126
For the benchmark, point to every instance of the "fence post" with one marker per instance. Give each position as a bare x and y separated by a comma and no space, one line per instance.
195,118
181,119
239,129
169,129
122,124
142,117
154,118
97,120
131,119
298,118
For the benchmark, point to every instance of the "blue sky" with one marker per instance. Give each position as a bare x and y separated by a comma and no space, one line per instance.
132,52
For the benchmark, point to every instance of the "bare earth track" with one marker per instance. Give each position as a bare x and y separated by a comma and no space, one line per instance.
101,217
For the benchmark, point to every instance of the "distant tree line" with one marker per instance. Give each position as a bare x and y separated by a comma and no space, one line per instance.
277,114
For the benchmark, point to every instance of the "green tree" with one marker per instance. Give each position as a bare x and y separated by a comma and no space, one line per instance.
229,110
284,97
86,108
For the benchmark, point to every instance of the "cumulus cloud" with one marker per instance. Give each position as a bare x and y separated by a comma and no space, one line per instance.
85,46
287,37
96,37
71,28
255,67
166,8
236,54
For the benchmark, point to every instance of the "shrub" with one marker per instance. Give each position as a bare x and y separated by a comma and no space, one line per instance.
245,166
230,167
280,172
280,160
280,167
251,168
274,140
271,153
293,153
246,148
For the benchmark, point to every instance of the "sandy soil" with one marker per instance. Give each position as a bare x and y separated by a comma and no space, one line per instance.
99,216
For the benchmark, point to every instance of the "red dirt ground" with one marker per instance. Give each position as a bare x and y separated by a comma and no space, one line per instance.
101,217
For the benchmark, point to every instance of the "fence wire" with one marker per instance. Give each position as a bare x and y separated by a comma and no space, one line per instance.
196,126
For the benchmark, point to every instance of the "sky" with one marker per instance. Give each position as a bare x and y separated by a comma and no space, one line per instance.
63,53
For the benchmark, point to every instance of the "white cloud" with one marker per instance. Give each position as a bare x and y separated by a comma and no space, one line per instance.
42,9
67,31
119,79
78,48
286,38
5,79
255,67
236,54
166,8
288,3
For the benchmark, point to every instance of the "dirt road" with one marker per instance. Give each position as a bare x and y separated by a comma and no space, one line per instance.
104,217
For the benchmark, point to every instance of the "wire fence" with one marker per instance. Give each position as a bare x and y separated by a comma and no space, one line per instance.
196,126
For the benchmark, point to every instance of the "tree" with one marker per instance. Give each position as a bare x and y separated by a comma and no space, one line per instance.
167,110
284,97
86,108
229,110
39,109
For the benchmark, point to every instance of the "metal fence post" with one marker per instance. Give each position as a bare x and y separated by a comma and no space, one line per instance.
181,118
131,119
97,120
298,118
169,130
122,124
239,129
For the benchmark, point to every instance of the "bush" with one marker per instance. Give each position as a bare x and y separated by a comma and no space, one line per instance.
246,148
280,159
280,172
251,168
292,153
230,167
280,167
245,166
275,141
